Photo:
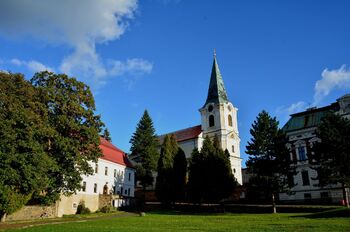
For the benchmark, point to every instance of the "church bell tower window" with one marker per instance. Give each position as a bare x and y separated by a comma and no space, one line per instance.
211,121
229,120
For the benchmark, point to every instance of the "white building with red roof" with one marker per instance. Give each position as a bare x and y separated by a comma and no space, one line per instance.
113,180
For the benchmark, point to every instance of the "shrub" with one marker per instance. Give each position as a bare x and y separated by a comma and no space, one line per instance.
82,209
107,209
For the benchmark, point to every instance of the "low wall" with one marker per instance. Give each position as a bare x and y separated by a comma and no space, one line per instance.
33,212
69,205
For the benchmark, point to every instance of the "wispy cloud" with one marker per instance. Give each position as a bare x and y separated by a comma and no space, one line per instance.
32,65
78,24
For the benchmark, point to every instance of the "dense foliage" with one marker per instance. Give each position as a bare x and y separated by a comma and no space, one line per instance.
23,160
331,156
74,131
180,174
144,144
171,172
48,134
269,160
210,174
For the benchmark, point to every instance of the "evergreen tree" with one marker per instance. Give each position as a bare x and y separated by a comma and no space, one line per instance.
73,139
180,172
268,155
144,143
24,163
211,177
331,156
107,135
165,175
195,179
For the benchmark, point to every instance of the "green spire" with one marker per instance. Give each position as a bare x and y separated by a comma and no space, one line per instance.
216,91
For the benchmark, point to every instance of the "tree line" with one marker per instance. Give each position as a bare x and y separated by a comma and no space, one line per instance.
205,177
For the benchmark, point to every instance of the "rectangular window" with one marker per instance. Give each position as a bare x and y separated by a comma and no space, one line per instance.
301,152
128,191
106,171
129,176
305,177
83,188
115,172
95,188
96,168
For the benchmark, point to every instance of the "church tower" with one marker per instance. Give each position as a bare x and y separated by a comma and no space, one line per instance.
219,118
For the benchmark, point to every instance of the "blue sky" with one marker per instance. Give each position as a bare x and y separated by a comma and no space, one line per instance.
281,56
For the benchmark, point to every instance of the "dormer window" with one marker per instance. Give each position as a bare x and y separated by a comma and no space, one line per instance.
211,121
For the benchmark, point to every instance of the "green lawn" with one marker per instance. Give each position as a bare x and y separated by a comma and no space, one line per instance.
336,220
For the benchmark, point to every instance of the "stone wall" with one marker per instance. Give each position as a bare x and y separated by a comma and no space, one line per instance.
105,200
33,212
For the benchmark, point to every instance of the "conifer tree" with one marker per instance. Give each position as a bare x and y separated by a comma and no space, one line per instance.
331,157
144,143
165,175
180,173
211,178
268,156
107,135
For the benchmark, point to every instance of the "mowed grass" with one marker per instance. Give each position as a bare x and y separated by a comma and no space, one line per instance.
171,221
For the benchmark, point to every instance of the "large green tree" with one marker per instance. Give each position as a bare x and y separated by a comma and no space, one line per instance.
73,139
24,163
331,156
144,144
210,175
269,157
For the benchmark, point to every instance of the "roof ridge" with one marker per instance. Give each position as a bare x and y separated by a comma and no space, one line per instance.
173,132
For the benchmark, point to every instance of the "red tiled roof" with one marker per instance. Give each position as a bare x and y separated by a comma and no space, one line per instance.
113,154
185,134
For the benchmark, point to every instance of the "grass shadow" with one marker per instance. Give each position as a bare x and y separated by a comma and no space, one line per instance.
334,213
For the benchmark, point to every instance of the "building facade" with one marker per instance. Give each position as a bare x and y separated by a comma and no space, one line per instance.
113,181
218,119
301,132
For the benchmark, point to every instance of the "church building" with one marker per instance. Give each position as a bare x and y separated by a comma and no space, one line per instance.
218,119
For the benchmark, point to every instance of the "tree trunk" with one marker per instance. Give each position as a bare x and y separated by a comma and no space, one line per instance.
345,196
3,217
273,203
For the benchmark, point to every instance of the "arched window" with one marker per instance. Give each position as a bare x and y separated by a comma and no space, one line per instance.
211,121
229,120
233,148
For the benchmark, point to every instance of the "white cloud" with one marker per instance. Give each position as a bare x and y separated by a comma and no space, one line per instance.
284,111
297,107
32,65
78,24
331,80
134,66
